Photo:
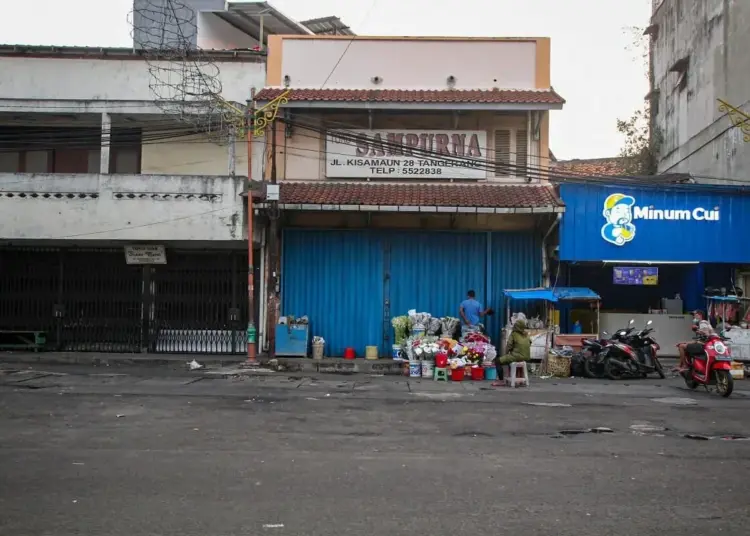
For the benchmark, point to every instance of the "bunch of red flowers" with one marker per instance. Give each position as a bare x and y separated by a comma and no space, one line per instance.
475,336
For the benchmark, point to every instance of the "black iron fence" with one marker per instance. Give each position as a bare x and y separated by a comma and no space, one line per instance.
91,300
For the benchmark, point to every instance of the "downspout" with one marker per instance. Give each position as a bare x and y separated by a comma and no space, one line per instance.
545,263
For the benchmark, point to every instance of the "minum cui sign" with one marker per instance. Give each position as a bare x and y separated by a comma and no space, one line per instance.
411,154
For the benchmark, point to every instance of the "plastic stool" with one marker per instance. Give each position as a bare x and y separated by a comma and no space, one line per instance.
441,375
512,376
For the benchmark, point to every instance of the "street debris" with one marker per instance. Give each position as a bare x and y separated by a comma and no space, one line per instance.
676,401
120,415
549,404
274,526
194,365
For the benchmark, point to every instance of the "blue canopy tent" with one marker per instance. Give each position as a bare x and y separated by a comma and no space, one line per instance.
553,296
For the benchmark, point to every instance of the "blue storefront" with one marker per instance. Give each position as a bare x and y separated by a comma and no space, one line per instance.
350,283
637,245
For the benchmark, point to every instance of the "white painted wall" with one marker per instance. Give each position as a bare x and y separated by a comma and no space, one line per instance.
403,64
162,207
193,155
216,34
106,79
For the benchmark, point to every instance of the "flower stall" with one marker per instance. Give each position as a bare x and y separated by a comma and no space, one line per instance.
425,342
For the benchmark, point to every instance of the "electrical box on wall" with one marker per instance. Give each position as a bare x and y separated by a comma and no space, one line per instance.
272,192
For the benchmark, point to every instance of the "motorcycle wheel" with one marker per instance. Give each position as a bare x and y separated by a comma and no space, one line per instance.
590,369
689,381
660,370
724,383
612,371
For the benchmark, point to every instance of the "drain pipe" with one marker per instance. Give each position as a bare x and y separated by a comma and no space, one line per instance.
545,262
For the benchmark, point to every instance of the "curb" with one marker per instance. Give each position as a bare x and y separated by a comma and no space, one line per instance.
288,364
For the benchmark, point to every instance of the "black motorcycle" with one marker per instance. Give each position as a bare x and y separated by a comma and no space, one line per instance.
633,354
594,353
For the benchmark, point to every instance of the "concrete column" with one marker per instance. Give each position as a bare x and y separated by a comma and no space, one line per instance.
106,136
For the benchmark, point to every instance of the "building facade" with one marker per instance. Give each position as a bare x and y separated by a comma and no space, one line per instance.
123,227
413,175
700,89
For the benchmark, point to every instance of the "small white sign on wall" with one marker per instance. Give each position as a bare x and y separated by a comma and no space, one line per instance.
145,255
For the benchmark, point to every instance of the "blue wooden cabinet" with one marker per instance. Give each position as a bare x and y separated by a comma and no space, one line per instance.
292,340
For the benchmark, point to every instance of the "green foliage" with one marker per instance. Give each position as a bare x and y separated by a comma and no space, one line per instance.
641,147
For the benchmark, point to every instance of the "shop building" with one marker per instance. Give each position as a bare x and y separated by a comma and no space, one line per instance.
412,176
92,165
654,252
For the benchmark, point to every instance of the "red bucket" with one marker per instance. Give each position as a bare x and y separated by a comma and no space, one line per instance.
457,375
441,360
349,353
477,374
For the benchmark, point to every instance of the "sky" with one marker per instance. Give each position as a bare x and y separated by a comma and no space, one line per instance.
593,65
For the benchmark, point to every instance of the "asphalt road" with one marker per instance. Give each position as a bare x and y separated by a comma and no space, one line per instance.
135,452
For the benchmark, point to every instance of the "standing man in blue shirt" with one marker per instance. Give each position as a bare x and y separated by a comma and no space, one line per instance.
471,311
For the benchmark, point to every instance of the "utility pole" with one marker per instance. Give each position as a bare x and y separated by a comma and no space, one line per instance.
273,217
252,332
257,122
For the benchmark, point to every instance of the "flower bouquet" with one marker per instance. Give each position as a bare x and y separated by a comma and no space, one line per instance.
448,325
474,353
401,328
433,325
419,320
475,336
426,351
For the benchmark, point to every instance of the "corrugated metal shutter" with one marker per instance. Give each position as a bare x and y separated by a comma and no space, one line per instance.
502,153
522,153
336,278
342,279
515,263
431,272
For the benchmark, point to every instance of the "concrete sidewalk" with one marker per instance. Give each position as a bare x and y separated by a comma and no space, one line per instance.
289,364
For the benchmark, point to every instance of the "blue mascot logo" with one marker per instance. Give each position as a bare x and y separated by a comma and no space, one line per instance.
618,211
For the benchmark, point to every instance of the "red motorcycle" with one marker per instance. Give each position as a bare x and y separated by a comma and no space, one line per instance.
709,363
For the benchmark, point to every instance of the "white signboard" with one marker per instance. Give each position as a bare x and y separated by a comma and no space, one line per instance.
145,255
406,154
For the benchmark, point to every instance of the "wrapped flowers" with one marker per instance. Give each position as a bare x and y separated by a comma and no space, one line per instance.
401,328
448,325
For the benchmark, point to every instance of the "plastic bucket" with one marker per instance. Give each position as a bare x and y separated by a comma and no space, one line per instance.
371,352
490,373
441,361
417,332
397,353
428,369
457,375
349,353
477,373
415,369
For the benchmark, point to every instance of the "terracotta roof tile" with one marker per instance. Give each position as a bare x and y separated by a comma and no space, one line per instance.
593,166
442,195
473,96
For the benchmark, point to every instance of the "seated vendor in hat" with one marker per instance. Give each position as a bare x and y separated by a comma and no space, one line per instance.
517,350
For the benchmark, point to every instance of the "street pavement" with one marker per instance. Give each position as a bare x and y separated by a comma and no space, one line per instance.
150,451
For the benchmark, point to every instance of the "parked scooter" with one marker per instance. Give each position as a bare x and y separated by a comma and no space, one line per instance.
709,363
633,354
597,351
594,353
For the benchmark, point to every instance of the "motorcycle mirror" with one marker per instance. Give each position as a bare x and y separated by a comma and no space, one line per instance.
649,322
632,321
605,333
